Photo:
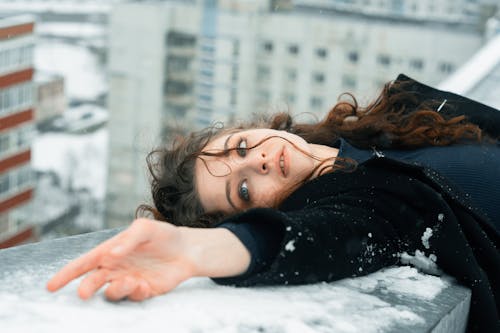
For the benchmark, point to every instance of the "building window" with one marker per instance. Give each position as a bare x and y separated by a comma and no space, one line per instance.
353,56
175,38
4,142
209,49
24,136
319,78
236,48
234,74
23,176
205,98
5,100
446,67
417,64
384,59
291,74
4,223
289,98
263,73
4,183
268,47
321,53
207,73
176,63
293,49
316,102
348,82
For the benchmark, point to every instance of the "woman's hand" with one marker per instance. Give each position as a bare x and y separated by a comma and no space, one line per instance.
151,258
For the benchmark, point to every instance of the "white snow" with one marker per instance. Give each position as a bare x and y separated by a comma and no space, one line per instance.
290,246
421,261
57,6
440,217
425,237
84,77
68,29
78,159
199,305
402,280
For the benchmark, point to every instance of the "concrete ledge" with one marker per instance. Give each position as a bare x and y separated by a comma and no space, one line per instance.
396,299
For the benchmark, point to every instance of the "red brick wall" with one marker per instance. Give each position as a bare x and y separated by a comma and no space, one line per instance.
16,30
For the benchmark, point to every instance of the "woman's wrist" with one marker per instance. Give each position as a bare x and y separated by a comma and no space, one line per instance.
215,252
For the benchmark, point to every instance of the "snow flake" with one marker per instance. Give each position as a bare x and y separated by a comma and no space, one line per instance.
370,235
425,237
421,261
290,246
440,217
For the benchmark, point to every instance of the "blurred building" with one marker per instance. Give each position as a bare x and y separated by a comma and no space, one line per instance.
461,11
176,65
16,124
479,77
50,100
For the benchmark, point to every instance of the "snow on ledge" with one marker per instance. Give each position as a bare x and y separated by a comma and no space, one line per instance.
395,299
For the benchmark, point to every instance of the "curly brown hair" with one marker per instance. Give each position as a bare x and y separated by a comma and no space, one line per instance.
395,119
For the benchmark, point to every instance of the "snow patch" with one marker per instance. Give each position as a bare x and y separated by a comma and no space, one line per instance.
400,280
79,160
311,308
425,237
290,246
84,76
421,261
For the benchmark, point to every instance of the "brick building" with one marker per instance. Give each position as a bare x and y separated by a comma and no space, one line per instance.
16,126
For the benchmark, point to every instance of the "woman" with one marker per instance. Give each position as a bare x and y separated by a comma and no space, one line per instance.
302,203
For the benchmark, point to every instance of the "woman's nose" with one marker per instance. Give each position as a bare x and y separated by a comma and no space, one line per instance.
259,162
263,163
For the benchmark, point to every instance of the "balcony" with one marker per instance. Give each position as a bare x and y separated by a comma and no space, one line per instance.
396,299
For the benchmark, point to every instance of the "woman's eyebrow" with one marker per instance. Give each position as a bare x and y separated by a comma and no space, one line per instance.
226,144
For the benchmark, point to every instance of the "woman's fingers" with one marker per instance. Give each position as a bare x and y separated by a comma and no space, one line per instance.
73,270
119,289
93,282
117,246
142,292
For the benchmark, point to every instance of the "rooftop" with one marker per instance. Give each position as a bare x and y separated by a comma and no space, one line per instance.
396,299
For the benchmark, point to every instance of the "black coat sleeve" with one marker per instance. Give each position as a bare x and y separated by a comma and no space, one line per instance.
486,117
323,243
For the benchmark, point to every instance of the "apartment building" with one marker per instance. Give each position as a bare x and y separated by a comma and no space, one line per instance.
16,123
429,10
184,65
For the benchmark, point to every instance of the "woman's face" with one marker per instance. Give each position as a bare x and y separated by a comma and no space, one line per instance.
255,177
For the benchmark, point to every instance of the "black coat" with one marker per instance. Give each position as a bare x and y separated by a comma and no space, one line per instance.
349,224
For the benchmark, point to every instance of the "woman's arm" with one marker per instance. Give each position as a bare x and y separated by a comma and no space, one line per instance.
151,258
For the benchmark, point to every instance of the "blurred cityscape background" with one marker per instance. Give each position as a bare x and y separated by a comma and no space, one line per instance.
88,88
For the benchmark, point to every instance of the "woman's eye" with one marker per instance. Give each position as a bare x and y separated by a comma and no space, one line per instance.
241,149
243,191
